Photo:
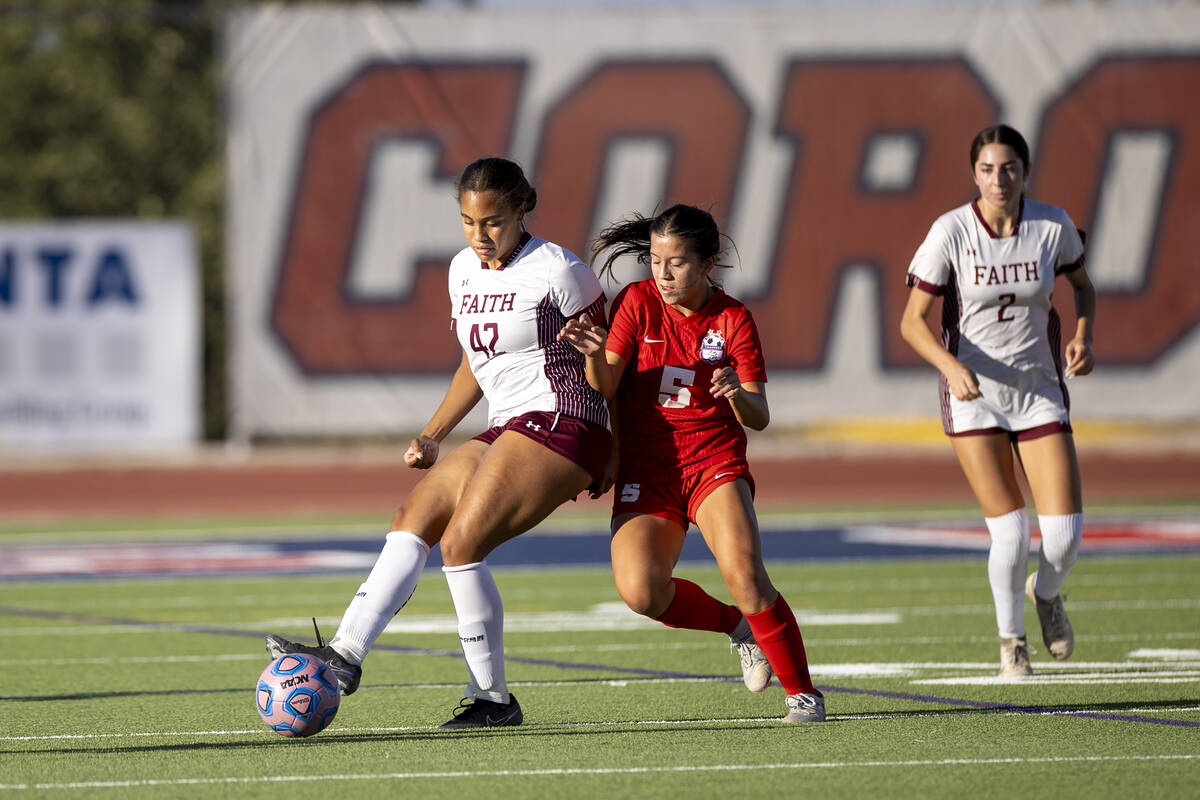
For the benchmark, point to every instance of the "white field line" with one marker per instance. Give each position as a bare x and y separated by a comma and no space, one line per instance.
1058,712
1165,654
606,724
857,642
809,587
1113,678
658,723
602,616
1084,637
1085,605
909,585
529,773
1173,658
1073,672
616,616
1190,636
71,662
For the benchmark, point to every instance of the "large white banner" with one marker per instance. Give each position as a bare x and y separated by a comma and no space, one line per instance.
99,335
826,142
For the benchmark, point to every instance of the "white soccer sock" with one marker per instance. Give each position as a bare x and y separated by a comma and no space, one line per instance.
387,588
480,628
1061,536
1006,570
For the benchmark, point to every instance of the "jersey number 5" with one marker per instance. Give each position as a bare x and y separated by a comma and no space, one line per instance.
477,343
673,392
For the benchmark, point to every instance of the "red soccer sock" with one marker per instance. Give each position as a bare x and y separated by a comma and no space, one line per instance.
778,636
697,610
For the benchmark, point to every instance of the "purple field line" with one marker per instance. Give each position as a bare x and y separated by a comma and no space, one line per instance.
954,701
570,665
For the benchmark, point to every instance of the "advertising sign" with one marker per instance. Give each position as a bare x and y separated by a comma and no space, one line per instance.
825,142
99,335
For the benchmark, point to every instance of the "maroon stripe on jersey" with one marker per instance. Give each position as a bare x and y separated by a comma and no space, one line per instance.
511,257
944,402
911,280
988,228
565,366
951,316
1054,334
596,312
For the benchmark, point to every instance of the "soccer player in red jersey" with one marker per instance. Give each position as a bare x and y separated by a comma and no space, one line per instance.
686,371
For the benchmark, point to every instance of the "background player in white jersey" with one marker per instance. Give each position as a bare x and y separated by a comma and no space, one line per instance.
547,440
994,262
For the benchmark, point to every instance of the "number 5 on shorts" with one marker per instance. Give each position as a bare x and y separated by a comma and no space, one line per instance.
630,492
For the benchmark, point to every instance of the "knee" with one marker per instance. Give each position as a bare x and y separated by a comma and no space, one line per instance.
458,550
408,516
421,522
745,577
1061,537
398,520
1061,552
644,594
751,591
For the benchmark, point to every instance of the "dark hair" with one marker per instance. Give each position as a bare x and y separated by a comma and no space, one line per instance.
499,175
694,226
1000,134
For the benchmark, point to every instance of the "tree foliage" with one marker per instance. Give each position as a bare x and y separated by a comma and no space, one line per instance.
112,111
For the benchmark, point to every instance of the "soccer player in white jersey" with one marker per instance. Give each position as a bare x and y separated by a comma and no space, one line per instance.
994,262
548,439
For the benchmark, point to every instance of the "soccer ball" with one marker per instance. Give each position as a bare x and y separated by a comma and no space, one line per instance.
297,695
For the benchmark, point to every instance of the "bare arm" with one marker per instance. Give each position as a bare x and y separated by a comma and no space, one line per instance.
461,397
914,328
602,368
749,400
1078,351
610,469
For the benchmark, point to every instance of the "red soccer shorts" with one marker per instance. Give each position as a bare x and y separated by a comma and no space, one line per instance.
679,498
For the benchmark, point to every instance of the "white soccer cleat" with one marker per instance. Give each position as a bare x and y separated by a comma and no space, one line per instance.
756,670
1014,658
805,708
1056,628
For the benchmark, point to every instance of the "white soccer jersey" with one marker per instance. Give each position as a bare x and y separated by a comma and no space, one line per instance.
507,321
997,318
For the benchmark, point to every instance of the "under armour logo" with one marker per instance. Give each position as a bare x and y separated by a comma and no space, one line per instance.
533,425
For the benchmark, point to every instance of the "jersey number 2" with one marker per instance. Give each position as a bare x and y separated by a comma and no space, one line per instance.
673,392
1006,300
477,343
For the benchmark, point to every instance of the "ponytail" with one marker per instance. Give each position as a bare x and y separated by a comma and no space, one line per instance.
694,226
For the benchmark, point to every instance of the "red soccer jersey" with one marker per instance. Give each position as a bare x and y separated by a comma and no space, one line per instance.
670,425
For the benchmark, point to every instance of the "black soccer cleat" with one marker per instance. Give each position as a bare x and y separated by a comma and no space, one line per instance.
347,674
486,714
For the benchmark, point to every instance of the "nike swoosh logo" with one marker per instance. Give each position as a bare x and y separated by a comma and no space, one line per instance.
648,340
720,475
496,722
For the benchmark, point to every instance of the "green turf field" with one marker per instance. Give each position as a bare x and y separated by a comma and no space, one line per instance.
144,688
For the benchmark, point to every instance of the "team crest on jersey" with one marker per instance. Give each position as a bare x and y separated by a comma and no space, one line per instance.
712,346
